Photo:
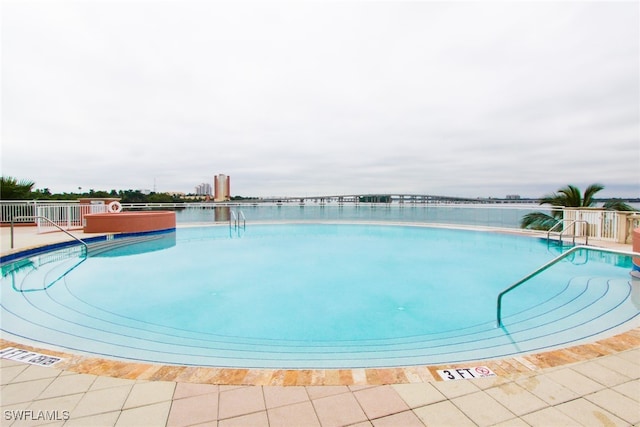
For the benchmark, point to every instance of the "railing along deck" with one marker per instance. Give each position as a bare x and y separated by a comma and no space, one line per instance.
45,219
602,225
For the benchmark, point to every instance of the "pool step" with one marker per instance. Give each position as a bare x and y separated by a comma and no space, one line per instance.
584,308
42,271
102,247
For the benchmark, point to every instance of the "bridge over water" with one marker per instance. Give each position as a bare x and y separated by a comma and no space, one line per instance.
391,198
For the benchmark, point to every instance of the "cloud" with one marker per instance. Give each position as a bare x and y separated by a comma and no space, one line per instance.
472,99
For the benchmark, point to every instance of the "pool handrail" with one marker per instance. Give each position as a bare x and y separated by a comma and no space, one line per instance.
549,264
13,218
242,218
233,219
561,232
73,267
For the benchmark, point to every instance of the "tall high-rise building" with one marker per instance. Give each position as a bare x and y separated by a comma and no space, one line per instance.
203,189
221,188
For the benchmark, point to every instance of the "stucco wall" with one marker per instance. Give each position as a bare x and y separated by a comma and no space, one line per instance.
129,222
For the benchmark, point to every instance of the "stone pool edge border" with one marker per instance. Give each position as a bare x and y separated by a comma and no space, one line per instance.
504,367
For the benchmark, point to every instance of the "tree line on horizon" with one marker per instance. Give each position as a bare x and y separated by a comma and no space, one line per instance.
13,189
569,196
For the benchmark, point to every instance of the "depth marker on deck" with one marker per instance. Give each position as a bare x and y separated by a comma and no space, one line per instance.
465,373
26,356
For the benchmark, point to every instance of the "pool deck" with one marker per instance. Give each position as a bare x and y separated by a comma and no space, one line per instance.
592,384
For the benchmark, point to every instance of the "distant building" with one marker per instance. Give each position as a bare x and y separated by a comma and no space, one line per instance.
203,189
222,188
513,197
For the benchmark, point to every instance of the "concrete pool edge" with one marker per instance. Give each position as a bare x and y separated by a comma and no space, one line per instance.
505,367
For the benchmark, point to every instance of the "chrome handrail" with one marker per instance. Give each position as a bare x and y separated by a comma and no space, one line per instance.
586,236
549,264
233,219
549,231
73,267
243,218
49,221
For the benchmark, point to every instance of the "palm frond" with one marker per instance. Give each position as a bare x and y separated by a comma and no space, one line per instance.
12,189
589,193
553,199
618,205
572,196
538,221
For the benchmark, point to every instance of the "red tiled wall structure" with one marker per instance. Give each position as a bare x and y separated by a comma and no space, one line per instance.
129,222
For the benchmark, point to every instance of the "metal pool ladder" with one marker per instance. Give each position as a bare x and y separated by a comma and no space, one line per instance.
549,264
236,219
572,223
242,218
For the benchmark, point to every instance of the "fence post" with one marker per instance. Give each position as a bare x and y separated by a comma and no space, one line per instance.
635,261
624,228
36,213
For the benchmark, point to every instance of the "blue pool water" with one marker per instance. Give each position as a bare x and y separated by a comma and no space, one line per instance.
315,296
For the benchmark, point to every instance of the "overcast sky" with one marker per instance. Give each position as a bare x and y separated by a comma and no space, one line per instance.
328,97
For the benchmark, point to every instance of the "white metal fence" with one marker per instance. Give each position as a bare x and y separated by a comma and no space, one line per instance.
13,209
591,222
601,224
68,215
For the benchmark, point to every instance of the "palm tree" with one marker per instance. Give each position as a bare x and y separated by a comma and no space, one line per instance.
12,189
618,205
570,197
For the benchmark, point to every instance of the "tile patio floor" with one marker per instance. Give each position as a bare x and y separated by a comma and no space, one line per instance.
603,391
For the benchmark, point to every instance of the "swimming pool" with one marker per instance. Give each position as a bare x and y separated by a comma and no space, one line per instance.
315,296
